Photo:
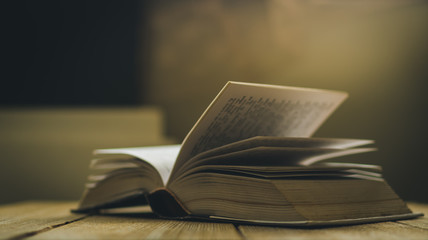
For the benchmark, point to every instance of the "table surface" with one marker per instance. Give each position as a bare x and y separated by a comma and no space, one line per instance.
53,220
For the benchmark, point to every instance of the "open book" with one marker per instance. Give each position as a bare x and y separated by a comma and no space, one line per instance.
250,158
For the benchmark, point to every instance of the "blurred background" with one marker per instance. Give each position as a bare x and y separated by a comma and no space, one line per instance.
79,75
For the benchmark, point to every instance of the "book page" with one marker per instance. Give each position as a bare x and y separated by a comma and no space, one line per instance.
373,171
276,156
162,158
244,110
270,141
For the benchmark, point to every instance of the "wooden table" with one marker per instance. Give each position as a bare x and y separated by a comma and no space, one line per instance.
53,220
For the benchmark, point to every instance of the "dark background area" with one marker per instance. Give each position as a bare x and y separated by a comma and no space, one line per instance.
71,53
176,56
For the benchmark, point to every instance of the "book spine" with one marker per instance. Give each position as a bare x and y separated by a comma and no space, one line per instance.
164,203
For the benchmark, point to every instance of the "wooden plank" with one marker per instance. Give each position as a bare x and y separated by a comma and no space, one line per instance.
139,226
27,218
53,220
386,230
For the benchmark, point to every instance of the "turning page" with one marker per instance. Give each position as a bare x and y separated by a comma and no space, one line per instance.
244,110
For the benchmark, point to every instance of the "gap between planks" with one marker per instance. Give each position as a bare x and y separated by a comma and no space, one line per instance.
240,233
35,232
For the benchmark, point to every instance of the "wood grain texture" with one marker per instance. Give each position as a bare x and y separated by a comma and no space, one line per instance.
53,220
140,227
419,222
388,230
28,218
